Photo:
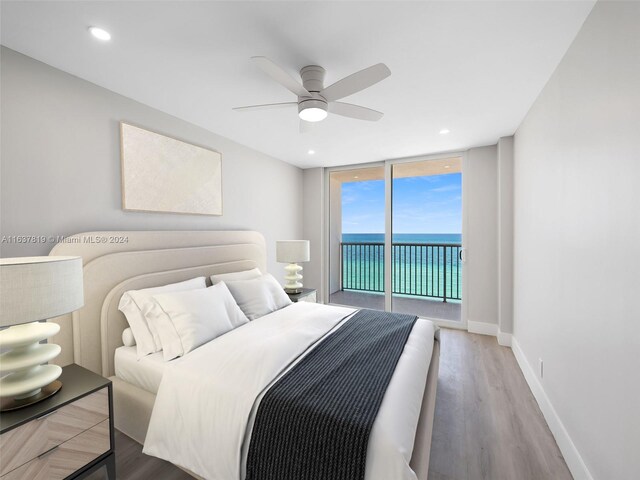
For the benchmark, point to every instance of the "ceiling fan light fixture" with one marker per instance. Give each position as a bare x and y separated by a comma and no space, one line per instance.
312,110
313,114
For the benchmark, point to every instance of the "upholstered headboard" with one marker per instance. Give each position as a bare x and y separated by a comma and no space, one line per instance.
118,261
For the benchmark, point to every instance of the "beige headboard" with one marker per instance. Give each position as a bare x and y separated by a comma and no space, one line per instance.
118,261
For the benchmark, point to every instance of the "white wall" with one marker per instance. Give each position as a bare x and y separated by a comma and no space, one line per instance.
577,245
480,191
335,234
505,236
313,228
61,165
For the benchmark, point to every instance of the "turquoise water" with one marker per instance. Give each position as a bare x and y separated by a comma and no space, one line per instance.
429,267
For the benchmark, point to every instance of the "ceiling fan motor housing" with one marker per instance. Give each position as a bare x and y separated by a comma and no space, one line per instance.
312,78
313,108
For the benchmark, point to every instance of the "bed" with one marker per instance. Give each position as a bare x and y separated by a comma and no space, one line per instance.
115,262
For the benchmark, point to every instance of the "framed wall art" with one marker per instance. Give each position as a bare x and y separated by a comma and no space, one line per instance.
163,174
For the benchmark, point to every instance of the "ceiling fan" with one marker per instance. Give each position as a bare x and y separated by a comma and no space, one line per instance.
315,100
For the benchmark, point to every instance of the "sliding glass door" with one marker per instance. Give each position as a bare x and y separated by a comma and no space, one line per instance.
356,237
395,237
426,218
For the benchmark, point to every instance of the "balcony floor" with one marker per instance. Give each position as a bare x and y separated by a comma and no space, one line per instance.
416,306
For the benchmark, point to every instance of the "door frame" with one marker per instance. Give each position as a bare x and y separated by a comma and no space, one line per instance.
388,165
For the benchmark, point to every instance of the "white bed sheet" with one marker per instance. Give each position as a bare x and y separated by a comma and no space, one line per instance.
186,393
145,373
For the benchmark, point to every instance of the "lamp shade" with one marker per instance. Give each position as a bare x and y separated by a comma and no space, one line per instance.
38,288
292,251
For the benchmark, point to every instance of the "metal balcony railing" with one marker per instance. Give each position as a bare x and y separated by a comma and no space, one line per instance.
418,269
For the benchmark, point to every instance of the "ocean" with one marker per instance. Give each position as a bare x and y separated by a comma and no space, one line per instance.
423,264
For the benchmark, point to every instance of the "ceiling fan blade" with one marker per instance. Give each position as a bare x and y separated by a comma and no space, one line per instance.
265,106
356,82
305,127
355,111
279,75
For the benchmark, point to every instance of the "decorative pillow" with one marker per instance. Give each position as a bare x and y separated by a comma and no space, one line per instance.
136,303
186,320
127,337
234,276
259,296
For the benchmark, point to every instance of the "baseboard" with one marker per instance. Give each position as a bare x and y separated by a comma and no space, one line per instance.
571,455
482,328
504,339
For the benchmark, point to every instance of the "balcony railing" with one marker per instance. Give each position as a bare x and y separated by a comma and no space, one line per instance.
418,269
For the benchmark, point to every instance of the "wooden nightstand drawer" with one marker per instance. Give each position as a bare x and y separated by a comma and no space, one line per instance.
65,459
25,443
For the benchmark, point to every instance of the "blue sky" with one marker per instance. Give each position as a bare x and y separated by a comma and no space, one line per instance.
430,204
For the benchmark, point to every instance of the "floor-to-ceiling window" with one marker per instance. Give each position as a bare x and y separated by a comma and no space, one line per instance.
395,237
426,218
356,237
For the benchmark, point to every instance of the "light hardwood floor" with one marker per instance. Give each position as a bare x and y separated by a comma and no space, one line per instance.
487,422
487,426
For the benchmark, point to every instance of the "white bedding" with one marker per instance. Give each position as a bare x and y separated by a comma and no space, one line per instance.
204,410
145,373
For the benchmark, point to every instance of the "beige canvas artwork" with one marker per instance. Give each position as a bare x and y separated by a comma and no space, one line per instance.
162,174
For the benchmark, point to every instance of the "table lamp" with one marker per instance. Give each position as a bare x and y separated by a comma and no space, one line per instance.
33,289
292,252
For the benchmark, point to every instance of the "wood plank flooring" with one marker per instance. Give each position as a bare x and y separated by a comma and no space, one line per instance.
487,423
487,426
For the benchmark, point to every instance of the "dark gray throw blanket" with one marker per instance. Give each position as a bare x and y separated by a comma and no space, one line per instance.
314,422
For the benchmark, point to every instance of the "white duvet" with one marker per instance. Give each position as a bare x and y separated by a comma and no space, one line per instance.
206,402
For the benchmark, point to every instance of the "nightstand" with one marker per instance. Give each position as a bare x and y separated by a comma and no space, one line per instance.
306,295
66,436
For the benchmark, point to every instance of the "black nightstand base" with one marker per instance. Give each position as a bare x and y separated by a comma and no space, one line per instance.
108,461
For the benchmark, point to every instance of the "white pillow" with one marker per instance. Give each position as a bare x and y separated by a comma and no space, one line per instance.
186,320
259,296
128,340
234,276
136,303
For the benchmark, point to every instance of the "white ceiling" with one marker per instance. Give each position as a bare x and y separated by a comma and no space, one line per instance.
472,67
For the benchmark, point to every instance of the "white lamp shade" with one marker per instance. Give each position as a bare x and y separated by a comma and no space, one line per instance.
38,288
293,251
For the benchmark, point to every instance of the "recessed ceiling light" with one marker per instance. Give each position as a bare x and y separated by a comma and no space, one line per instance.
444,131
100,34
311,152
355,176
447,166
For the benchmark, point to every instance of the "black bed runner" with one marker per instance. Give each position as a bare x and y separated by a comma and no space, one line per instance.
314,423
